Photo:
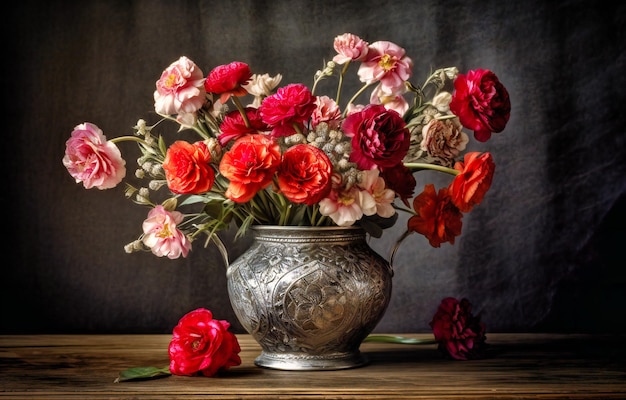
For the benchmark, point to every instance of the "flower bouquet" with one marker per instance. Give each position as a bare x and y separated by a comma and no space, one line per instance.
266,154
270,155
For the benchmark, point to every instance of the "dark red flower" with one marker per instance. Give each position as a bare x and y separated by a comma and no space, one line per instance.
470,186
460,334
379,137
288,109
400,179
228,80
202,345
233,125
437,217
481,102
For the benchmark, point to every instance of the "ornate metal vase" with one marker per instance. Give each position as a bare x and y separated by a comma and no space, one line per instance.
309,296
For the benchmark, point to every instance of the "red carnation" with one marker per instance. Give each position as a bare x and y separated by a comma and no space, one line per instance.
228,80
304,174
288,109
481,102
460,334
437,218
470,186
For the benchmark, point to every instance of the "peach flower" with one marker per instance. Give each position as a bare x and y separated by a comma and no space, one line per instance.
180,88
161,235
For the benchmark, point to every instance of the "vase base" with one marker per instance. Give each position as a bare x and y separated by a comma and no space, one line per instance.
306,362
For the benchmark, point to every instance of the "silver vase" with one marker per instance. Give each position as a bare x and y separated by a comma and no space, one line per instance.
309,296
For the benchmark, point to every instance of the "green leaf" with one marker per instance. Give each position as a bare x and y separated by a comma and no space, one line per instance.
398,339
139,373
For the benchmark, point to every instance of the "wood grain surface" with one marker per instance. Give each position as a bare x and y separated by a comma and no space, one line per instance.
517,366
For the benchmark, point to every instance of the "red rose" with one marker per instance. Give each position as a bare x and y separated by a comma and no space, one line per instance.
234,126
250,166
469,187
379,137
459,334
202,345
437,218
304,174
481,102
290,105
227,80
187,167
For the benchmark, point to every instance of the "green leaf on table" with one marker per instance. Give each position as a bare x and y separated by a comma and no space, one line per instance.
139,373
398,339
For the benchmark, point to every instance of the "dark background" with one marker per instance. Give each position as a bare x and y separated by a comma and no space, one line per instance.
543,252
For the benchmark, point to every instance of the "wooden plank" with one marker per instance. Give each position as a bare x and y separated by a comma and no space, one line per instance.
518,366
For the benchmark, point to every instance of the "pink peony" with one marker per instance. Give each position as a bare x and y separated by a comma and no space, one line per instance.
202,345
162,236
349,47
92,160
481,102
180,88
459,334
386,63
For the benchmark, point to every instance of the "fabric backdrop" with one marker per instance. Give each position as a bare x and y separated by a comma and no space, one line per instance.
543,252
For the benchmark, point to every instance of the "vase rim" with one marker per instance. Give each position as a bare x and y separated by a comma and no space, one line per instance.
304,228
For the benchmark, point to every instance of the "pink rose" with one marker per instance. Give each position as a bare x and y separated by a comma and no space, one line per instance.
379,137
162,236
481,102
92,160
386,63
349,47
202,345
287,109
180,88
327,111
459,334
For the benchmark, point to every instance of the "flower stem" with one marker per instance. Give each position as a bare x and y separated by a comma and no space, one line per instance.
130,138
421,166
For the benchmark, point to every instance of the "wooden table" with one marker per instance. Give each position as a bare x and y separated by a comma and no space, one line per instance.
519,366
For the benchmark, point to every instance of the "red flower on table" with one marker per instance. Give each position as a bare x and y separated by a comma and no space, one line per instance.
460,334
202,345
